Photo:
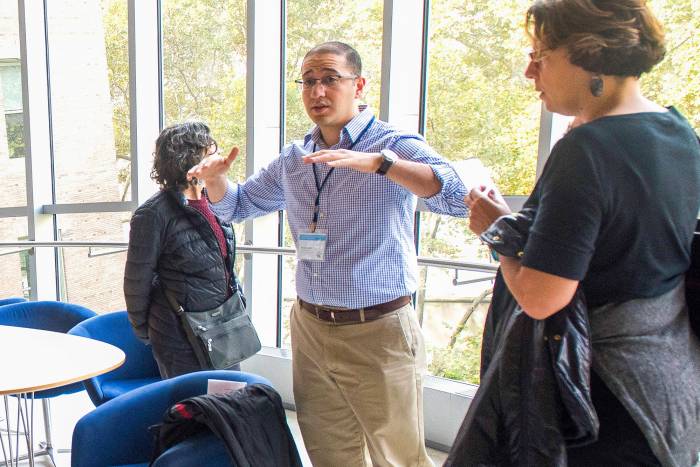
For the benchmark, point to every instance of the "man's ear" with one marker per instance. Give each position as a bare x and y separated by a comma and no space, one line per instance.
360,87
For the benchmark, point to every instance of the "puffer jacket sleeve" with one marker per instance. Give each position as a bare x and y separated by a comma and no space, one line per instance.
145,244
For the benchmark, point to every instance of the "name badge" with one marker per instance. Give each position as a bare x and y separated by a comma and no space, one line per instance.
312,246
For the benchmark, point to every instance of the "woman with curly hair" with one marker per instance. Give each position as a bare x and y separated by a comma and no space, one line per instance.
616,207
176,244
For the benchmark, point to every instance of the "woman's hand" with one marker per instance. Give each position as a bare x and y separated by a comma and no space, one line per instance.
485,206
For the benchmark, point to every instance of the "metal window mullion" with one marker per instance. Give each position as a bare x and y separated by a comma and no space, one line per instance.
18,211
281,142
402,63
145,95
544,140
263,117
85,208
422,115
36,103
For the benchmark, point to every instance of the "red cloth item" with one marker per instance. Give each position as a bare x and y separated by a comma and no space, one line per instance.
202,205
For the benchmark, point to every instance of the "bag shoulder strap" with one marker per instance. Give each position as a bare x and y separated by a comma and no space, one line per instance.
194,340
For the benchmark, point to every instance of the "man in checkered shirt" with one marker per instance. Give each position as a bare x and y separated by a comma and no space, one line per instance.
350,190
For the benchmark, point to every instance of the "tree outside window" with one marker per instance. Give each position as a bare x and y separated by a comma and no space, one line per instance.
11,105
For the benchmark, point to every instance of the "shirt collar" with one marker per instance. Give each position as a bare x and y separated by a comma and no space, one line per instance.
350,131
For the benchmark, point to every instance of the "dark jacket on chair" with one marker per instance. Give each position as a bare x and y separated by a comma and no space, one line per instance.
172,246
251,423
534,397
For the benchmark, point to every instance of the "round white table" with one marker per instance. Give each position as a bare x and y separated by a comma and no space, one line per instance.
32,360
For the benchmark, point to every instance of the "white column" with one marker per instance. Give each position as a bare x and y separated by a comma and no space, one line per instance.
144,95
402,47
264,45
552,128
37,139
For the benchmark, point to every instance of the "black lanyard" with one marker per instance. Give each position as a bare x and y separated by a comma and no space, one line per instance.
319,188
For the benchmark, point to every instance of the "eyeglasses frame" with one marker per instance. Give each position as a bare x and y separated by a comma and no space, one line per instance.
338,77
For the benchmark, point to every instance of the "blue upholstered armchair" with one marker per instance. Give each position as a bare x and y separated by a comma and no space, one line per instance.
11,300
139,369
116,433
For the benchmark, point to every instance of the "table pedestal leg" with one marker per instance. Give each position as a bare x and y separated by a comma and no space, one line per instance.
25,420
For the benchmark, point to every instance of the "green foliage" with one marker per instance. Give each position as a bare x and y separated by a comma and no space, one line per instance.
204,69
460,362
14,125
311,22
676,80
115,17
479,102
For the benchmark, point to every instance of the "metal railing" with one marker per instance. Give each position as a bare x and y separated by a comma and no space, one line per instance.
244,249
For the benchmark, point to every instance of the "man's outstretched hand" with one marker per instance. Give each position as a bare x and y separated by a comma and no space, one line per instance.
367,162
212,171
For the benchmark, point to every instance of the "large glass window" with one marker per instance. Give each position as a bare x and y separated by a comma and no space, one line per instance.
93,276
14,126
204,69
11,80
116,27
13,260
479,104
676,80
12,146
82,35
311,22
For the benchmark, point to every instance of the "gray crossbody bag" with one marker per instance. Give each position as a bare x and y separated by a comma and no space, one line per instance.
222,336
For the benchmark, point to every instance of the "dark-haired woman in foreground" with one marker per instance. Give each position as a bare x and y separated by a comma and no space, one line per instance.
617,205
176,243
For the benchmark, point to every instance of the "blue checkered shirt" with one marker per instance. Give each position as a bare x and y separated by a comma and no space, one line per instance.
370,255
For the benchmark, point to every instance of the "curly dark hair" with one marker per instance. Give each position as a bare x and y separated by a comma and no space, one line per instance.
179,148
609,37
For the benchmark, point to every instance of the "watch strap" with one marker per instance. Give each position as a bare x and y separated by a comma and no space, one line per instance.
388,160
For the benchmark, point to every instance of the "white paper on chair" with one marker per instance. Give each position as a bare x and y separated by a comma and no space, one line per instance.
222,386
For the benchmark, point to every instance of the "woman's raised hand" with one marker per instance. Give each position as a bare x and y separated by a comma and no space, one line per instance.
485,206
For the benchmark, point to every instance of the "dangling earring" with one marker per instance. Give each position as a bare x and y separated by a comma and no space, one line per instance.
596,86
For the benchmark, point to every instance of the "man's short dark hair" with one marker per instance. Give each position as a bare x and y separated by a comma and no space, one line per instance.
179,148
339,48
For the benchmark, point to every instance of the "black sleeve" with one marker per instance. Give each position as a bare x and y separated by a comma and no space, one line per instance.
141,263
570,211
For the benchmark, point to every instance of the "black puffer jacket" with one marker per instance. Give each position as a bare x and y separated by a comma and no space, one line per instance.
171,245
534,398
251,422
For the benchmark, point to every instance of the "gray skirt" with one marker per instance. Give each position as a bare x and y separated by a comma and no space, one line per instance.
646,353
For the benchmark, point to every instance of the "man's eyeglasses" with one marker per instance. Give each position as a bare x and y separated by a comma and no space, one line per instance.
328,82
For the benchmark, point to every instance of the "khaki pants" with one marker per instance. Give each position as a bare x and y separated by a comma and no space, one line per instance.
358,389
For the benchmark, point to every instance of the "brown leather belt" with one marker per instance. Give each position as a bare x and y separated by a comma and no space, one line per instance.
357,315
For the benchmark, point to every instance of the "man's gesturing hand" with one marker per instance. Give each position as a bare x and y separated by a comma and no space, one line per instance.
212,167
367,162
212,170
